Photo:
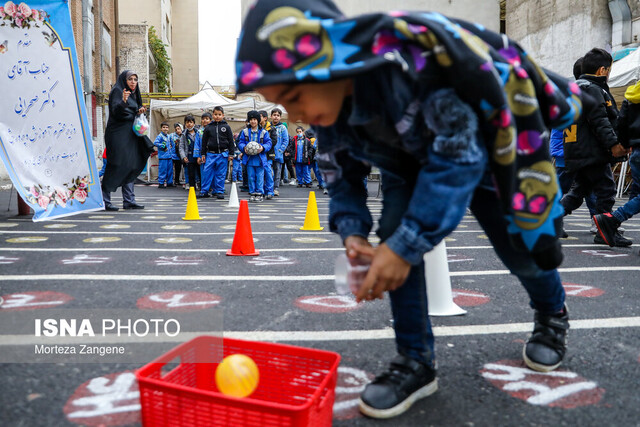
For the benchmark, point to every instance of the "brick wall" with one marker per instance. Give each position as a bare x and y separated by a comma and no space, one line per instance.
134,52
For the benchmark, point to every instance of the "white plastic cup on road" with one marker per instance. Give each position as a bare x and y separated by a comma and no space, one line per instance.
350,274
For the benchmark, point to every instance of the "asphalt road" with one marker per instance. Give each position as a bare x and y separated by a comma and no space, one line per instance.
150,259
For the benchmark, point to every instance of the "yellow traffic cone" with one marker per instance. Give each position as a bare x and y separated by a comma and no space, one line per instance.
311,219
192,206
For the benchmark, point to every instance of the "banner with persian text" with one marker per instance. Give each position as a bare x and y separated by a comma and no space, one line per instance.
45,140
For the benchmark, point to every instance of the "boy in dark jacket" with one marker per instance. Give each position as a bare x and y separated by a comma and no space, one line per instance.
629,135
217,142
454,116
303,153
591,144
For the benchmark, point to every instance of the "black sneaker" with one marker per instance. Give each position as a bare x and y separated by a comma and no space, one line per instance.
394,391
619,240
607,226
220,196
203,196
547,345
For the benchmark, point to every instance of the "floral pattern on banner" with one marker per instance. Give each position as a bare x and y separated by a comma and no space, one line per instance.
76,190
21,16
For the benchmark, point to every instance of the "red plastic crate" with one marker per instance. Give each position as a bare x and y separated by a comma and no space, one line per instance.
296,387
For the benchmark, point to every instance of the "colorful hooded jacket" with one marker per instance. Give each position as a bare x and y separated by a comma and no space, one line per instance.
516,102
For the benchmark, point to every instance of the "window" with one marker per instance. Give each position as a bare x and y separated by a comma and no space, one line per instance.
106,46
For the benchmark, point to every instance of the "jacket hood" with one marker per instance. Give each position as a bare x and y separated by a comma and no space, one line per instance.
633,93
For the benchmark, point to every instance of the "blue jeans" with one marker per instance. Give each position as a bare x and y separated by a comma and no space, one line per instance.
277,173
255,176
565,179
316,170
634,165
302,173
414,336
268,178
214,173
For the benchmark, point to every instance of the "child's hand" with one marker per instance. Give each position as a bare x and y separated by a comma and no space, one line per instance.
358,247
388,272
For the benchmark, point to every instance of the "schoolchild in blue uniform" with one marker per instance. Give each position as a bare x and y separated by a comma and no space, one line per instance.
303,153
189,141
175,154
255,163
217,140
455,116
165,157
280,143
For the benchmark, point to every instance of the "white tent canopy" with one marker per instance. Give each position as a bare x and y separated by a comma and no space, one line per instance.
204,101
625,71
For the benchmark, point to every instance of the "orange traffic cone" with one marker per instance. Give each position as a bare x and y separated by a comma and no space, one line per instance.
192,206
243,238
311,219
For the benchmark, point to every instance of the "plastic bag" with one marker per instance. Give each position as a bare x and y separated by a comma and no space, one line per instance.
141,125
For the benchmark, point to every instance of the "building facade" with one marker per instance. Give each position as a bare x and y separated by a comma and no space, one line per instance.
176,24
485,12
558,32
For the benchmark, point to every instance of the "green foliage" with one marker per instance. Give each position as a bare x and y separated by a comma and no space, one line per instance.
163,71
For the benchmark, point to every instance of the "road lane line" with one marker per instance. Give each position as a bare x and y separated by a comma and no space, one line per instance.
343,335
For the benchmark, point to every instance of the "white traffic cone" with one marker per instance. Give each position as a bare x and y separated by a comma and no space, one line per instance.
233,197
439,293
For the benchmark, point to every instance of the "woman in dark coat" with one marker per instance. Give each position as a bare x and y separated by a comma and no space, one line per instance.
127,152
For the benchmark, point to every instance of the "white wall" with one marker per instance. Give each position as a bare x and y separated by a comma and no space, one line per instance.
556,33
485,12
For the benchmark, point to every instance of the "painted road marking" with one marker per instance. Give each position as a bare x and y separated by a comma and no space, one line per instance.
458,258
340,335
176,227
104,239
34,300
309,240
148,233
560,388
327,303
469,298
302,279
173,240
288,226
270,260
154,217
351,382
581,290
8,224
28,239
85,259
115,226
60,226
8,260
177,260
111,400
178,301
101,217
604,253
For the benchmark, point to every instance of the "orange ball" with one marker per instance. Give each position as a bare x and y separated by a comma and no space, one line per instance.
237,375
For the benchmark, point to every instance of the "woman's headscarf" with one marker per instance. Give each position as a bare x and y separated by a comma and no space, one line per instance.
296,41
121,85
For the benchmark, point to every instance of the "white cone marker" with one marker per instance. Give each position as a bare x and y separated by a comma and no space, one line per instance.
233,197
439,293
